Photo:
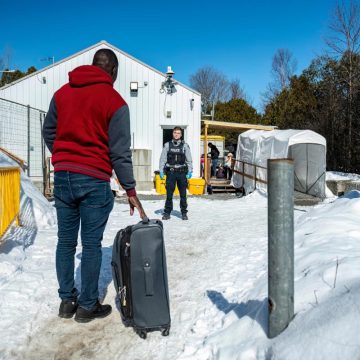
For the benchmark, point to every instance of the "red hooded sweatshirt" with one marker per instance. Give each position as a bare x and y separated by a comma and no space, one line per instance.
87,128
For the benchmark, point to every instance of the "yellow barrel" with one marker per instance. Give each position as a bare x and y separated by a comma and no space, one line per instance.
196,186
160,187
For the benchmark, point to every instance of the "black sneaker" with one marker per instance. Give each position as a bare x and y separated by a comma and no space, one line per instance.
67,308
166,216
98,311
184,217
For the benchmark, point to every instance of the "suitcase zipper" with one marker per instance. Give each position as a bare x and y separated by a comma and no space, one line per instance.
122,295
126,301
122,292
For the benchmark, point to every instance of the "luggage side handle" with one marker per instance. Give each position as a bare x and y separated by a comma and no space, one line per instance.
149,281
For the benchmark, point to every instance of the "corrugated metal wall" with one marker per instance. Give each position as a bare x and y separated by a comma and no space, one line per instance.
148,109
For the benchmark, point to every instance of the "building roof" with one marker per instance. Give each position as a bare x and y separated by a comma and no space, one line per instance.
102,42
235,126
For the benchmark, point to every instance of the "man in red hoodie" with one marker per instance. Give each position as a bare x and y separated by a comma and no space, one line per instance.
87,130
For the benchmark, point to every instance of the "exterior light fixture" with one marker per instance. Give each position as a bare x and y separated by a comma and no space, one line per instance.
134,86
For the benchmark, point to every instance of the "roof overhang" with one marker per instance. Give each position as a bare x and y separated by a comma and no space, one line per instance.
235,126
101,43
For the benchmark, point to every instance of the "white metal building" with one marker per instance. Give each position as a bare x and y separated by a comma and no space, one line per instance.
153,110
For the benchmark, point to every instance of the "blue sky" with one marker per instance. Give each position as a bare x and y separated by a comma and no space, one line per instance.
237,37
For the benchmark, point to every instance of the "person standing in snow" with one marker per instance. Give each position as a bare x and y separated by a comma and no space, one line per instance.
87,130
176,163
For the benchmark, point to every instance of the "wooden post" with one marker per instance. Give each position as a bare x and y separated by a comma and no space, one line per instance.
205,153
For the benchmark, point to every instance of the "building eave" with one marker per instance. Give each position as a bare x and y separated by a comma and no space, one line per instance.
103,42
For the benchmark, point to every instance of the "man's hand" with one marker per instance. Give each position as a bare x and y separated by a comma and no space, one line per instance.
134,202
161,175
189,175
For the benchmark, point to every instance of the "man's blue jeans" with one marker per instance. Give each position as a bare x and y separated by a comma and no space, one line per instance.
214,163
85,200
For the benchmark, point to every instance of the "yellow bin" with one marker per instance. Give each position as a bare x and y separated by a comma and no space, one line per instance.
160,186
196,186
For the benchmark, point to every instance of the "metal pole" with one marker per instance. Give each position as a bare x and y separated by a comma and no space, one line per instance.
48,171
43,160
280,244
28,140
255,177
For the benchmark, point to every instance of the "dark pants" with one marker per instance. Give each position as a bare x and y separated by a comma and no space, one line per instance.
214,163
228,172
173,178
86,200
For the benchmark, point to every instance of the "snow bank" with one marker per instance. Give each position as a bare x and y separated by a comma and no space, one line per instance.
327,289
35,210
36,213
217,267
336,175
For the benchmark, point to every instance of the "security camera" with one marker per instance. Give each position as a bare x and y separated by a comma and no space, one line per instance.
192,103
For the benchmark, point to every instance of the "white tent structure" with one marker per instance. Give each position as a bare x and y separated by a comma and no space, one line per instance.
305,147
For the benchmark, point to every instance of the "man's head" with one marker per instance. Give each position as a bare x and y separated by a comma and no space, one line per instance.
210,144
177,133
106,59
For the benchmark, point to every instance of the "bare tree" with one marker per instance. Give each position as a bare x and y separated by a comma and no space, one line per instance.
5,58
283,68
212,84
236,91
344,42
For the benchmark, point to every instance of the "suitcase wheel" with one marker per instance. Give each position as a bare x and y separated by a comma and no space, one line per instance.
142,334
165,332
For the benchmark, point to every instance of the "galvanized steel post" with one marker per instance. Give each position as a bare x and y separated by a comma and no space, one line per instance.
28,140
280,244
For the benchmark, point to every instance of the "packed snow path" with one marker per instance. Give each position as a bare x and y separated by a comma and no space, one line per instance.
217,267
212,262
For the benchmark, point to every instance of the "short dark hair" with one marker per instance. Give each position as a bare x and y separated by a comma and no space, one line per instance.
106,59
177,128
209,144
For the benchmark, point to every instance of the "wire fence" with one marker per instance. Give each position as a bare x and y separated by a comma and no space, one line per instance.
21,134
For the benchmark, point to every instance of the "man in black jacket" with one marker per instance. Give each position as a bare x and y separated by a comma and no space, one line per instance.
214,153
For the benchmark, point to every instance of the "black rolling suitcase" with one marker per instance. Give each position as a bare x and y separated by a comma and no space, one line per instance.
140,277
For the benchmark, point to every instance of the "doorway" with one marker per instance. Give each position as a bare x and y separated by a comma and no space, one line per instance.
167,135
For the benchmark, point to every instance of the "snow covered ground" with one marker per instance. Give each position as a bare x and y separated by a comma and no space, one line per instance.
336,175
217,266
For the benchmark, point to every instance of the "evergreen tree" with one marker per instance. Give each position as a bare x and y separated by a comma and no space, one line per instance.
9,77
